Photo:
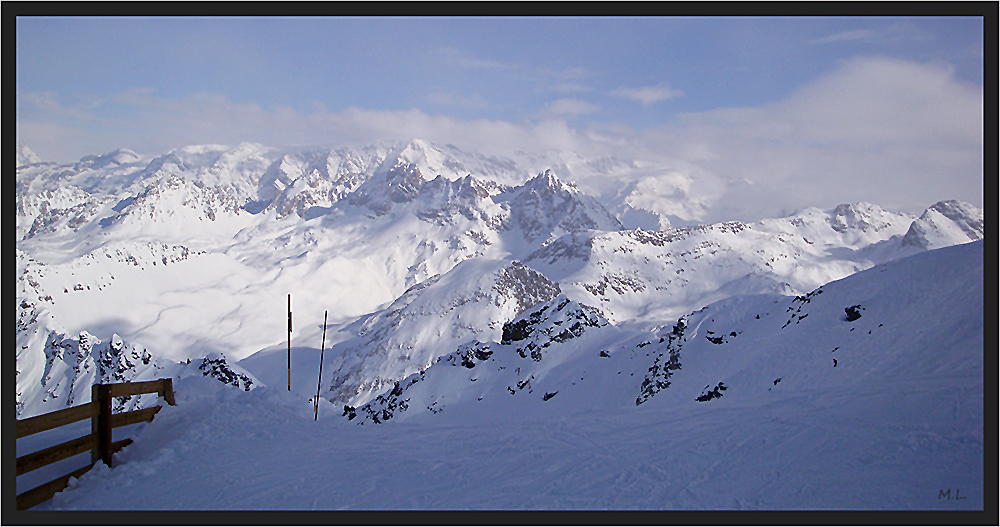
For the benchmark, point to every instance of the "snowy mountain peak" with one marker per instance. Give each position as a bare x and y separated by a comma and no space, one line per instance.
238,167
25,156
945,223
400,184
545,206
862,216
547,181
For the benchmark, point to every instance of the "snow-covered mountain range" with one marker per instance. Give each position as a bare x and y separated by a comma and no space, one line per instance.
129,266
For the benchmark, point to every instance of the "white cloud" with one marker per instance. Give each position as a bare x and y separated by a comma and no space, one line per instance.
648,94
151,124
897,133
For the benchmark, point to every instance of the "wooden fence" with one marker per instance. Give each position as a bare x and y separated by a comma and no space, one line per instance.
98,441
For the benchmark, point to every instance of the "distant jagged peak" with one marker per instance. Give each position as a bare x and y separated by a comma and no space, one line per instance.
451,161
403,182
416,148
547,208
26,156
945,223
238,167
416,152
970,216
546,187
468,188
403,170
862,216
549,181
470,185
854,224
400,183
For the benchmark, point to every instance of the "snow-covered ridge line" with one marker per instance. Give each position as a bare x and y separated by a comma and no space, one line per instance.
471,302
851,332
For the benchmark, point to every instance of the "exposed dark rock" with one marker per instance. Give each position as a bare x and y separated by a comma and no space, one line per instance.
218,368
715,393
555,321
658,375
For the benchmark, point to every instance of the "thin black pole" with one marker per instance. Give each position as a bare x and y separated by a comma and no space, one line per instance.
319,381
289,342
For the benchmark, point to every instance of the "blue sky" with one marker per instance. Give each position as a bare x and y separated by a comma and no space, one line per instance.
90,85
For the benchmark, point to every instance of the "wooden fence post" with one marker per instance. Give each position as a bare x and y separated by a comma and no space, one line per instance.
289,342
95,429
167,391
104,422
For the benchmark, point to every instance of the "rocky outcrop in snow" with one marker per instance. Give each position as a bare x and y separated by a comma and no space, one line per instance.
473,301
530,336
217,367
666,361
556,321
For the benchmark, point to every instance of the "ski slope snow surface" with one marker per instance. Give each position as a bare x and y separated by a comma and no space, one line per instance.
866,393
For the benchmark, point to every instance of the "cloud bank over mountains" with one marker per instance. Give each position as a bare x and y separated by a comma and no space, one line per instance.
891,131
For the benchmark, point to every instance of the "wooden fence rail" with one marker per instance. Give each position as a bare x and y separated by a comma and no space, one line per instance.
98,442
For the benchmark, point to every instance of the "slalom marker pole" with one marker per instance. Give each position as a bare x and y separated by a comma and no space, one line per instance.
289,342
319,381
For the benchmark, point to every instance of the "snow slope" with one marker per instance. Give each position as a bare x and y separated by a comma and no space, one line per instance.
739,405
